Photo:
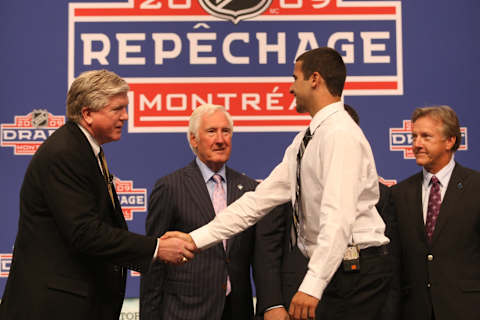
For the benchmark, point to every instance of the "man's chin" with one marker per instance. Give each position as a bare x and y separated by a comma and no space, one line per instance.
421,161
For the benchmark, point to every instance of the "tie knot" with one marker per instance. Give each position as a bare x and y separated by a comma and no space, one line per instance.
217,178
434,180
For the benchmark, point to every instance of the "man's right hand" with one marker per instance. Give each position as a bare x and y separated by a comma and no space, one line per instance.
175,249
276,314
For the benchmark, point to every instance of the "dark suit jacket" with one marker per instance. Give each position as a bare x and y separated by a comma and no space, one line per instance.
72,246
449,281
196,290
283,270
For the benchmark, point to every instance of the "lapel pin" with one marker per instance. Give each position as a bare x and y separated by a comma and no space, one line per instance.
459,186
239,186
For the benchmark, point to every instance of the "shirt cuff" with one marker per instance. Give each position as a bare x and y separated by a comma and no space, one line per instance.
156,251
312,285
273,307
202,237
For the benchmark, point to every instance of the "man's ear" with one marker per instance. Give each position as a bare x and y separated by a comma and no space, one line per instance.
193,141
450,142
316,79
87,115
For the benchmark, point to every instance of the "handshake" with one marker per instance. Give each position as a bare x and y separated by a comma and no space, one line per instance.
175,247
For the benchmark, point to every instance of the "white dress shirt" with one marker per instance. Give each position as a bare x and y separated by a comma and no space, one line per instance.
208,174
94,144
443,176
339,192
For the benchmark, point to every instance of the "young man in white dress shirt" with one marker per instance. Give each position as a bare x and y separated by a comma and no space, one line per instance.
335,202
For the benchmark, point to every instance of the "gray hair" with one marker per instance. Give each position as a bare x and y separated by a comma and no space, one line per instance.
93,89
448,117
197,116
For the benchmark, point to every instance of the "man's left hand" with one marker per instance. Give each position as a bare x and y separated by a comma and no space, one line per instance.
303,306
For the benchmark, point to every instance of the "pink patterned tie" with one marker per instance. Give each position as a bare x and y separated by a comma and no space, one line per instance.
434,201
220,203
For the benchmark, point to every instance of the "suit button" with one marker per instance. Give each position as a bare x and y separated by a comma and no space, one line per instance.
116,268
227,260
428,285
224,286
430,257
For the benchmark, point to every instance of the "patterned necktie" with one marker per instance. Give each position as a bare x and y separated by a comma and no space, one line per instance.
434,201
106,174
296,208
220,203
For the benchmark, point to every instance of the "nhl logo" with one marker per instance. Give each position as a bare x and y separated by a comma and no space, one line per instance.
235,10
39,118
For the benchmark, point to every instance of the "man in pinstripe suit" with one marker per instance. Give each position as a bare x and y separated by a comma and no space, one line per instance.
216,284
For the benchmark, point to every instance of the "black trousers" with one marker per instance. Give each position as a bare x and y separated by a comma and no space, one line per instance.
357,295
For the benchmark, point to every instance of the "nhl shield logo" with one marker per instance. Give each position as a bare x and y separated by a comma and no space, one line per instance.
235,10
39,118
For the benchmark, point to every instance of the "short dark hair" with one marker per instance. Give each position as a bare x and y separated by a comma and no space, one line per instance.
329,64
448,117
352,113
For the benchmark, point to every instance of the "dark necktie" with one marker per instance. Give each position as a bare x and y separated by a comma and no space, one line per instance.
297,206
106,174
434,202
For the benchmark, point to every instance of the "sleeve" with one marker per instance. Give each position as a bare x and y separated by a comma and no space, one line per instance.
161,210
247,210
391,309
267,262
72,194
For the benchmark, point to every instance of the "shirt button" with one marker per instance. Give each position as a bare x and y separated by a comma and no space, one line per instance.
428,285
430,257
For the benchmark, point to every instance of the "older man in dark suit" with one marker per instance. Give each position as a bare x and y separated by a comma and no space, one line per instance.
216,284
73,249
438,212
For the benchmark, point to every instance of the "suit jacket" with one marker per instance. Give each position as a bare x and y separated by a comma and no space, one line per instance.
283,269
444,275
72,247
196,290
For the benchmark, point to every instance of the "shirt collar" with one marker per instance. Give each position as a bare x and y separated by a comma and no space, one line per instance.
207,173
91,140
443,175
324,113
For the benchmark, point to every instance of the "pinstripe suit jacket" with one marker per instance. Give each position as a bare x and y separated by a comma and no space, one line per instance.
196,290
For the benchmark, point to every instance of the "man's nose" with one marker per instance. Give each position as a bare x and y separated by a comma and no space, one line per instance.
124,115
219,138
416,143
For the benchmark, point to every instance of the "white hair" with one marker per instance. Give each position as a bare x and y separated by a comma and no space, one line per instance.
197,116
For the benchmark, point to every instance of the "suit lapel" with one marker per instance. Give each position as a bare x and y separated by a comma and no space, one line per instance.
414,197
197,189
451,200
116,212
234,191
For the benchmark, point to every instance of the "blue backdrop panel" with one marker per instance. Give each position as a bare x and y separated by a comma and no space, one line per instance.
175,55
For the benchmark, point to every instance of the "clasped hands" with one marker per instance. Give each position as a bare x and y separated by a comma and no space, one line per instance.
176,247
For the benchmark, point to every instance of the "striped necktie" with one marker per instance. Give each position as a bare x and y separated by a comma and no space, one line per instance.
296,208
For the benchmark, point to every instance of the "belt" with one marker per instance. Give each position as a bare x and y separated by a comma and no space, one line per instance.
374,251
